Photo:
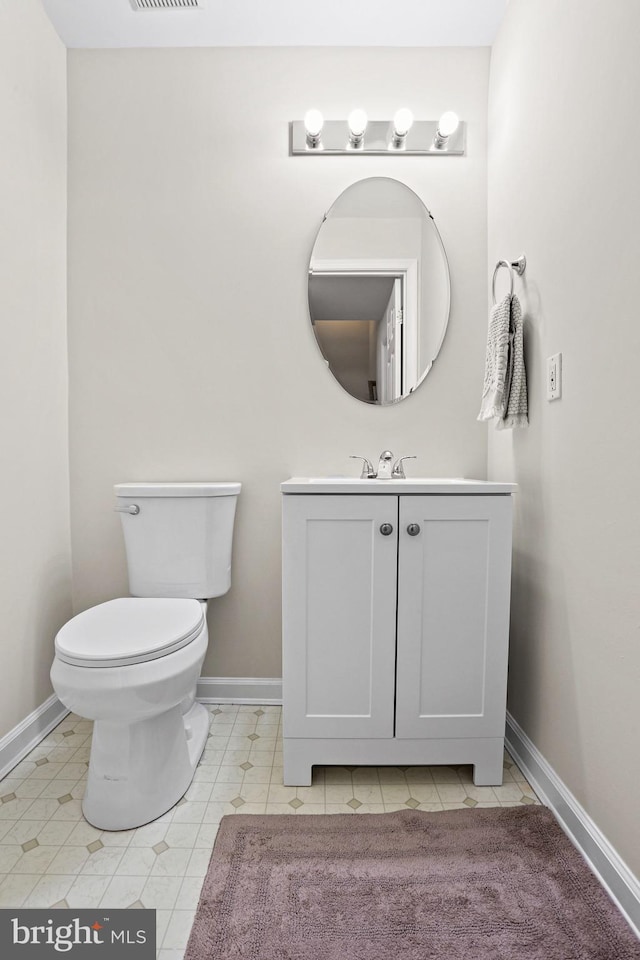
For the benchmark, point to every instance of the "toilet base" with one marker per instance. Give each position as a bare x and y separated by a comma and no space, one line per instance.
138,771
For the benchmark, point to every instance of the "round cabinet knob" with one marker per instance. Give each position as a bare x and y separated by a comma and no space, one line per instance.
413,529
386,529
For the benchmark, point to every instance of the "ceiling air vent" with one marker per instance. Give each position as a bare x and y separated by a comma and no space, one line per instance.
167,4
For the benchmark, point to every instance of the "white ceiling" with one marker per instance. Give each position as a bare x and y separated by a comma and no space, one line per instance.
396,23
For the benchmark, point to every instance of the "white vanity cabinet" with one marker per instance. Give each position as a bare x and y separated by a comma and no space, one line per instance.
395,623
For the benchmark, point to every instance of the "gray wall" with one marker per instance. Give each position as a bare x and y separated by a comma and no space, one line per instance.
191,351
35,591
346,345
563,187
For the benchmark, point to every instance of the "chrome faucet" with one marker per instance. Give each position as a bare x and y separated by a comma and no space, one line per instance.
385,470
384,465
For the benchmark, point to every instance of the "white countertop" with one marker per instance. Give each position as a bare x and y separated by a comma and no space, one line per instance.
410,485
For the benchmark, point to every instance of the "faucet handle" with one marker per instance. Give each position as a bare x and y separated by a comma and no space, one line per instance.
368,473
398,470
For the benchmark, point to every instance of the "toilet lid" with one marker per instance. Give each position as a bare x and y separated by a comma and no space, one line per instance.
129,630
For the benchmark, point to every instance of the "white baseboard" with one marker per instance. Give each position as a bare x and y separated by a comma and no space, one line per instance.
240,690
614,875
16,744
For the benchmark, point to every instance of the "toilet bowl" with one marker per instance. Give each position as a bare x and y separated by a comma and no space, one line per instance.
129,665
132,664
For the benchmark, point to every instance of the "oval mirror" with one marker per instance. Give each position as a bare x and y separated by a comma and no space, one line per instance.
379,290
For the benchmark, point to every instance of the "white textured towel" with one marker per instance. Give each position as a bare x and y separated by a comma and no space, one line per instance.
504,396
516,414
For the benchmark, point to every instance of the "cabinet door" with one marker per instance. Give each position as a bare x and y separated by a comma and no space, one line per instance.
339,615
453,616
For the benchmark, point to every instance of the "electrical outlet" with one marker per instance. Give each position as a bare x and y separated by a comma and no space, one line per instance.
554,377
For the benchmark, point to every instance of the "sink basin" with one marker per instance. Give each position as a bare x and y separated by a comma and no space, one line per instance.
338,479
409,485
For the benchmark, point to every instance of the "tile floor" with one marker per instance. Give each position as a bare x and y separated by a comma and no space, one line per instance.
50,856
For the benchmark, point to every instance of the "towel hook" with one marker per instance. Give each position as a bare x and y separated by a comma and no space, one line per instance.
518,265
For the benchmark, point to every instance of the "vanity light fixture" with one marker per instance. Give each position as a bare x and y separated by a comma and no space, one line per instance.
313,124
447,125
402,123
357,123
402,136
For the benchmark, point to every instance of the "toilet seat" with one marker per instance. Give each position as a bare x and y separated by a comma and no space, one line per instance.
129,630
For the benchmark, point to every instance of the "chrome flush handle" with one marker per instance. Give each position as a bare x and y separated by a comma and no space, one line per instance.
132,508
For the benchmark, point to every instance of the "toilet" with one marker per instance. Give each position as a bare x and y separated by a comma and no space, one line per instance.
132,664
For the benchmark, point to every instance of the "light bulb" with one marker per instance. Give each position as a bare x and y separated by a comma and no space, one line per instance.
357,121
448,123
313,122
402,122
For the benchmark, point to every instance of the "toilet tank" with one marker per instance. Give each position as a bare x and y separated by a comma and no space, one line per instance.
178,537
